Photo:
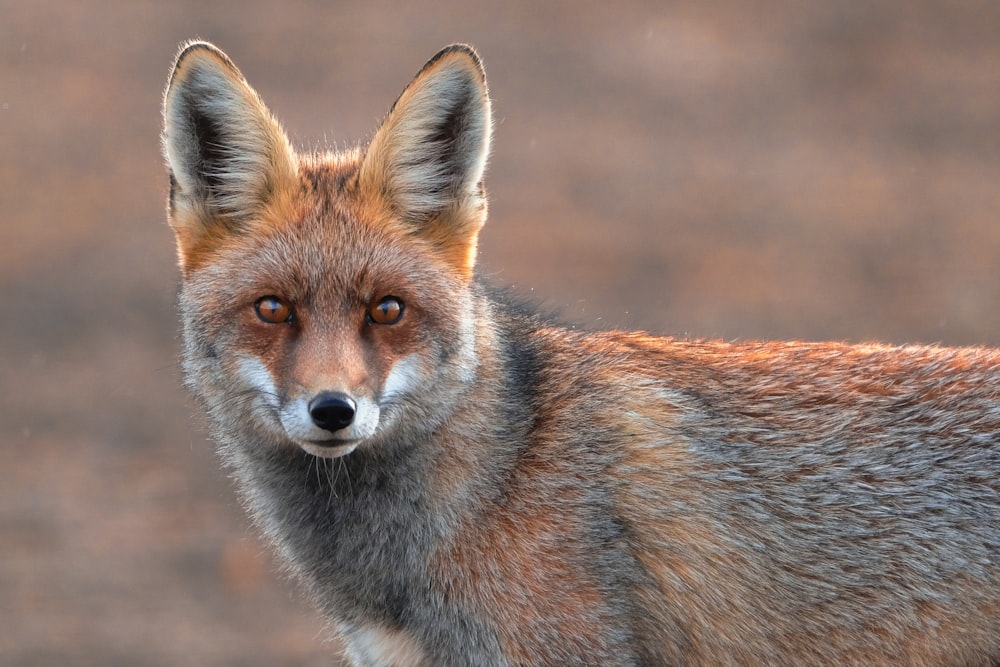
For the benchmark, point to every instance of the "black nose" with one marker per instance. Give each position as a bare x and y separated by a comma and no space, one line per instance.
332,411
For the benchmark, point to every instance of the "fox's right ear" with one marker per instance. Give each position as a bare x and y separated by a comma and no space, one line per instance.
227,155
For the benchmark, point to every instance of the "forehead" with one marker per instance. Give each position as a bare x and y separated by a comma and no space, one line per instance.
326,241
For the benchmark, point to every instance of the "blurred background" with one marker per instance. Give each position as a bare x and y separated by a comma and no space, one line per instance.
733,169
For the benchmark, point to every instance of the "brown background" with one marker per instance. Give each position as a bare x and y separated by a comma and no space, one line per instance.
823,170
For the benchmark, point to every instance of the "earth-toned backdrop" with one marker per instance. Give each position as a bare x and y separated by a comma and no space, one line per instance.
780,169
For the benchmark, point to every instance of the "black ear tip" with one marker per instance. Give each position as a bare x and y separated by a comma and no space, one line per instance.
194,45
458,51
459,47
197,46
195,52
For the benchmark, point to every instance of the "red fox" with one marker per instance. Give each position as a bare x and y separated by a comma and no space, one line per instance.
457,480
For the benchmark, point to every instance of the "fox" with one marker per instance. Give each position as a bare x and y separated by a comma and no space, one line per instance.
454,477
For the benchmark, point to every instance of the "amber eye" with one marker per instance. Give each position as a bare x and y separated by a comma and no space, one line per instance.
273,310
388,310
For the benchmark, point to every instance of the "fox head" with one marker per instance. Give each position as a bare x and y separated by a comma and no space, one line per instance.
326,297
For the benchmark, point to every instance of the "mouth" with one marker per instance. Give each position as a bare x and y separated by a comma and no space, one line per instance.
329,449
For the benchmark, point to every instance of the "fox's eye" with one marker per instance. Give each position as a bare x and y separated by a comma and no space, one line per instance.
388,310
273,310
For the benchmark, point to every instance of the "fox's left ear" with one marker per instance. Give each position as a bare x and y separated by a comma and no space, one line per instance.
426,161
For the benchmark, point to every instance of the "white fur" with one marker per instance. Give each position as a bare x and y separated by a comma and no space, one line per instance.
468,359
377,645
405,376
255,375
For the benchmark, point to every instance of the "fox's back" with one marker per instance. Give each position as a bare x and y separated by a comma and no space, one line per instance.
841,496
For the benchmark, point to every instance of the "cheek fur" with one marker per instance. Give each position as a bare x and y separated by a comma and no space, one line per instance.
405,376
254,375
